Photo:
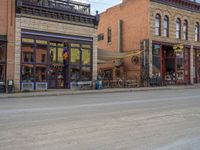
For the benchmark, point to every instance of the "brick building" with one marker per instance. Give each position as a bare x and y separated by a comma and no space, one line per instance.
165,31
47,44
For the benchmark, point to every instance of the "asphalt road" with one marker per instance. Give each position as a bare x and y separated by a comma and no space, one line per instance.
151,120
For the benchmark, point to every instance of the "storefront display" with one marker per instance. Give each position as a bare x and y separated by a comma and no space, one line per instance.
171,63
50,62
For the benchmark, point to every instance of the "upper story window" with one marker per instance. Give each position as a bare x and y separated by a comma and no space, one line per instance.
158,25
109,35
197,31
100,37
166,26
185,30
178,28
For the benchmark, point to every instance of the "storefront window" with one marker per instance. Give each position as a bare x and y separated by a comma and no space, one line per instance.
27,53
75,56
2,73
53,55
27,73
60,55
86,74
180,66
75,73
2,52
86,57
41,54
40,73
156,59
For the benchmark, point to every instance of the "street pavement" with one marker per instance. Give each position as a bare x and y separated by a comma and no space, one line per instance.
142,120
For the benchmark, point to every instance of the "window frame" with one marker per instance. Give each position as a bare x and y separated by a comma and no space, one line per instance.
109,35
185,29
196,32
158,25
178,28
166,26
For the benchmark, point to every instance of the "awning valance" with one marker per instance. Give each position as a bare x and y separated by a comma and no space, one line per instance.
109,55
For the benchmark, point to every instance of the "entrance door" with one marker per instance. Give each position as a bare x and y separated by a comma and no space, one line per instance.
57,70
57,76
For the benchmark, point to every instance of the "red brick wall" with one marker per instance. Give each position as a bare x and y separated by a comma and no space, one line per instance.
3,17
7,27
135,16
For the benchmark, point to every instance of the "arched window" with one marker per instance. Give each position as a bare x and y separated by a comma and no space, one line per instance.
158,25
166,26
178,28
185,30
197,32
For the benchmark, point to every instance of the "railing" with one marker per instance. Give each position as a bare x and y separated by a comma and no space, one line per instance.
65,5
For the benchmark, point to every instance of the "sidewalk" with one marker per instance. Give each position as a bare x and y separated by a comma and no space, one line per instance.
61,92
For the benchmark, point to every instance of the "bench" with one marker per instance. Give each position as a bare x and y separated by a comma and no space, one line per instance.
84,85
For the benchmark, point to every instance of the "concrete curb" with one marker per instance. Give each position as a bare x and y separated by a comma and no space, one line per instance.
102,91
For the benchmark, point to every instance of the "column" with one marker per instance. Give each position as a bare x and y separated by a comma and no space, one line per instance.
191,64
17,54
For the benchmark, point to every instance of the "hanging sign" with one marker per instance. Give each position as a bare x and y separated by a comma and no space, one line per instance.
178,48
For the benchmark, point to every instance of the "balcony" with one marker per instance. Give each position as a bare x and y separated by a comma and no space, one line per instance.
60,5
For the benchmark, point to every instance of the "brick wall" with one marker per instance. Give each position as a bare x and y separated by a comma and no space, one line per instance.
134,15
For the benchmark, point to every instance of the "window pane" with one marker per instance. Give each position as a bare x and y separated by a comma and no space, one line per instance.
86,57
41,54
75,56
53,54
27,53
60,55
41,73
27,73
2,52
75,73
2,73
86,74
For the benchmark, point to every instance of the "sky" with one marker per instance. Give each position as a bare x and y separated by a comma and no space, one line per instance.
102,5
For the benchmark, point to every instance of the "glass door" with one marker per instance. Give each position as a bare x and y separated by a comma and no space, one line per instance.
57,70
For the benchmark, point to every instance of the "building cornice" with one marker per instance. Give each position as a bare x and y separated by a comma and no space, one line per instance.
181,4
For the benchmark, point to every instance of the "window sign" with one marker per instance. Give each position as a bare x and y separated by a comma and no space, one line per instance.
41,42
27,40
52,44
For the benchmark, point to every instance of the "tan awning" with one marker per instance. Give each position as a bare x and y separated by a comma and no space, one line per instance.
109,55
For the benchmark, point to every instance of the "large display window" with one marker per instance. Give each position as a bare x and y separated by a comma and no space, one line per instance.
156,59
55,63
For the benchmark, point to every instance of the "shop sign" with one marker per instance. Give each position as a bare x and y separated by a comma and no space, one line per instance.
178,48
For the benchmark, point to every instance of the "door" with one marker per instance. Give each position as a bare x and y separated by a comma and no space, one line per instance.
58,70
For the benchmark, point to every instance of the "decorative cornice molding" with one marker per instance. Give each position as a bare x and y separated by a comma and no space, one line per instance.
181,4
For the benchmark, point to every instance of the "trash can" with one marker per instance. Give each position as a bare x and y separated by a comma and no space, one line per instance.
10,86
98,84
2,87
